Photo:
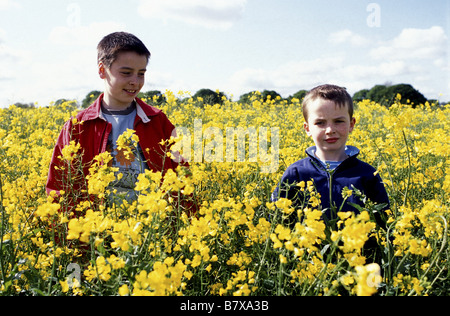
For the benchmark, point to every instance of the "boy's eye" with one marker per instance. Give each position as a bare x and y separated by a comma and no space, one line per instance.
127,74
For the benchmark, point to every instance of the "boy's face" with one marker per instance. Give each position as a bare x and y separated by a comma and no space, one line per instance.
123,80
329,125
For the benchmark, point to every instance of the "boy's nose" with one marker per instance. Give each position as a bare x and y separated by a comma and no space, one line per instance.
329,129
134,81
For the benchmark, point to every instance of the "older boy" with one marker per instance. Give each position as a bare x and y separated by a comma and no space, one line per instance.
122,64
331,164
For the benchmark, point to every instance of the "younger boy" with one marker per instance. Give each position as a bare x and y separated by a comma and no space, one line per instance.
122,64
331,164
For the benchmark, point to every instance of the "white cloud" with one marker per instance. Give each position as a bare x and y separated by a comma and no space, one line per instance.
291,77
8,4
347,36
11,59
9,55
67,69
416,63
394,60
71,72
216,14
415,56
162,80
83,36
41,80
429,44
2,36
364,72
287,78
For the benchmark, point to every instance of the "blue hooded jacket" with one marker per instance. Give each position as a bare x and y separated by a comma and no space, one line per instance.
351,171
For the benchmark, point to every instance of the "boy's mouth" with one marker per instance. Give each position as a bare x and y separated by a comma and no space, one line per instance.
331,140
130,92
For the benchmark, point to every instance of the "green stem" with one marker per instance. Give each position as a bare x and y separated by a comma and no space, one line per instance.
53,265
409,168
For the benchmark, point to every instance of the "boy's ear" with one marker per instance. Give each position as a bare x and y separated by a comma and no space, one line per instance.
352,124
102,70
306,127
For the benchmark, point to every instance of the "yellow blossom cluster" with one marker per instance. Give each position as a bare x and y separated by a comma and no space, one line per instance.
354,235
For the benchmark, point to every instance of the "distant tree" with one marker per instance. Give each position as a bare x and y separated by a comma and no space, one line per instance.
209,96
262,96
377,94
246,97
61,101
300,95
25,105
90,98
360,95
273,95
408,93
386,95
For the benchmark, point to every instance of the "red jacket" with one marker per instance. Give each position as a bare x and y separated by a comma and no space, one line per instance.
151,126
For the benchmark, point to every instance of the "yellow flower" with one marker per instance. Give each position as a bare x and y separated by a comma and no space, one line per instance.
64,286
346,193
368,279
284,233
354,235
347,280
47,210
69,151
284,205
75,229
124,290
100,175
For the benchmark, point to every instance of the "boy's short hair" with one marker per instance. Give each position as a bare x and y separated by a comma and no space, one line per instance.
338,95
111,45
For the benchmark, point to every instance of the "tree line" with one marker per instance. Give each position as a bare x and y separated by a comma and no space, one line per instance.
383,94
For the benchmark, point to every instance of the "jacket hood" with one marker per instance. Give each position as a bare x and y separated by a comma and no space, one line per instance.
351,151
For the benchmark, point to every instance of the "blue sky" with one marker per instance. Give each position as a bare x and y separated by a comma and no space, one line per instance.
48,47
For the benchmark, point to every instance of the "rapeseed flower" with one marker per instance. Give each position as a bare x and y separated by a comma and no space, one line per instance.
368,279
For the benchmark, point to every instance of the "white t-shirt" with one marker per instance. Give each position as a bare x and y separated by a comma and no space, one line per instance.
130,168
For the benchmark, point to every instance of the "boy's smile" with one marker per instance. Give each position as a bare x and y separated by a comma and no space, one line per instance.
329,125
123,80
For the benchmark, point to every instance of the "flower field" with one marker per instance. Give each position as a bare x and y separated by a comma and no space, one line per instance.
239,243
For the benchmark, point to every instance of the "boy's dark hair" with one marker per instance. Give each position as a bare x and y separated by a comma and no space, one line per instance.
338,95
113,44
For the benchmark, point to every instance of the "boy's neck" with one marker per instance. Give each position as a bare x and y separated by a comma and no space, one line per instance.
331,156
112,105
